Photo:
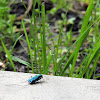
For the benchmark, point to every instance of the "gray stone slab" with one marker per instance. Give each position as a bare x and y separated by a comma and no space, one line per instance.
15,86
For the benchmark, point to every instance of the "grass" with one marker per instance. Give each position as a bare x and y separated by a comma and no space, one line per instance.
8,55
41,54
43,38
80,42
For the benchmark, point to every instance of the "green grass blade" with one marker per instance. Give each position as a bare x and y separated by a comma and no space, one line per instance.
28,46
40,34
55,64
16,59
15,43
35,37
71,57
8,55
91,58
85,61
44,40
83,29
84,26
49,59
94,65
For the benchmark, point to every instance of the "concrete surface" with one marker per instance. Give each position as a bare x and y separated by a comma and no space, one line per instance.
15,86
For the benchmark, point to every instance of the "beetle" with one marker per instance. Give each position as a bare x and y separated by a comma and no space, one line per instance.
34,79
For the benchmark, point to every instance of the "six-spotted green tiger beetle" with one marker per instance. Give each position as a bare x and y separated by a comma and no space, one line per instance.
34,79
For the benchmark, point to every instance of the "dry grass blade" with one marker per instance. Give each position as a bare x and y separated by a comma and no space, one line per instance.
2,65
30,3
22,30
